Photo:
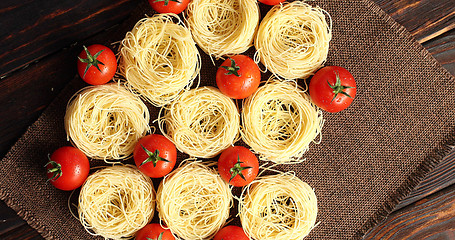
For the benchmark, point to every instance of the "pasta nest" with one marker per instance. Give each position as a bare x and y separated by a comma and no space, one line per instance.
223,27
106,121
279,122
116,202
194,201
159,58
293,40
278,207
202,122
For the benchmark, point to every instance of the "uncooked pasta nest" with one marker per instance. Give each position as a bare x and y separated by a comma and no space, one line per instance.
278,207
202,122
159,58
106,121
279,122
293,40
116,202
194,201
223,27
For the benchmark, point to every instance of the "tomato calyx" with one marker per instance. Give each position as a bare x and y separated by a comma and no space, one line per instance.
154,157
166,2
91,60
160,237
237,170
338,88
56,170
233,69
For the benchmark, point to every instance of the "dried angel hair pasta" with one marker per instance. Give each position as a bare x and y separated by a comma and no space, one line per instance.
293,40
159,58
116,202
202,122
279,122
194,201
106,121
278,207
223,27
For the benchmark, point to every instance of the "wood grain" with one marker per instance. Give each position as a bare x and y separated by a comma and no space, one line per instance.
432,202
429,218
442,176
428,210
425,19
42,79
46,26
443,49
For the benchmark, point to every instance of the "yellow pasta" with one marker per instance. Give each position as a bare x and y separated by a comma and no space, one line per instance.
279,122
293,40
194,201
116,202
202,122
278,207
106,121
159,58
223,27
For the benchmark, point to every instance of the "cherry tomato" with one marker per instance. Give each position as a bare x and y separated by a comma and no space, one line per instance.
238,166
231,233
155,155
153,231
332,88
169,6
97,64
271,2
238,77
67,169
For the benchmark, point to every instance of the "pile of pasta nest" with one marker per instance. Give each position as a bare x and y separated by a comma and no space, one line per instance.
159,64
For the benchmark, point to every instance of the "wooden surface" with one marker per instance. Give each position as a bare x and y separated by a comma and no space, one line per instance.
37,59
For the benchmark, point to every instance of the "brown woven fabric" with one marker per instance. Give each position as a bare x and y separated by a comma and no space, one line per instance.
371,155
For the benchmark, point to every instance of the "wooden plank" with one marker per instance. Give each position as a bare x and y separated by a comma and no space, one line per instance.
429,218
443,49
441,177
8,219
36,28
41,83
29,78
425,19
432,23
23,232
45,78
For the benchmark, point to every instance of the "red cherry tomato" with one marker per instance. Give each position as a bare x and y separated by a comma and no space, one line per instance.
332,88
238,77
155,155
153,231
271,2
169,6
67,169
97,64
231,233
238,166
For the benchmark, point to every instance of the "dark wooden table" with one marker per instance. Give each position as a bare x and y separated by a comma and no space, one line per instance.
37,61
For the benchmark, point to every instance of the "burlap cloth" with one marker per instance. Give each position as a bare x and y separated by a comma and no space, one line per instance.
371,155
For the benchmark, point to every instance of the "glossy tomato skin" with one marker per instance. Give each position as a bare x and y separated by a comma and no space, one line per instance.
230,157
271,2
166,150
231,233
152,231
171,7
322,94
94,76
239,87
75,168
